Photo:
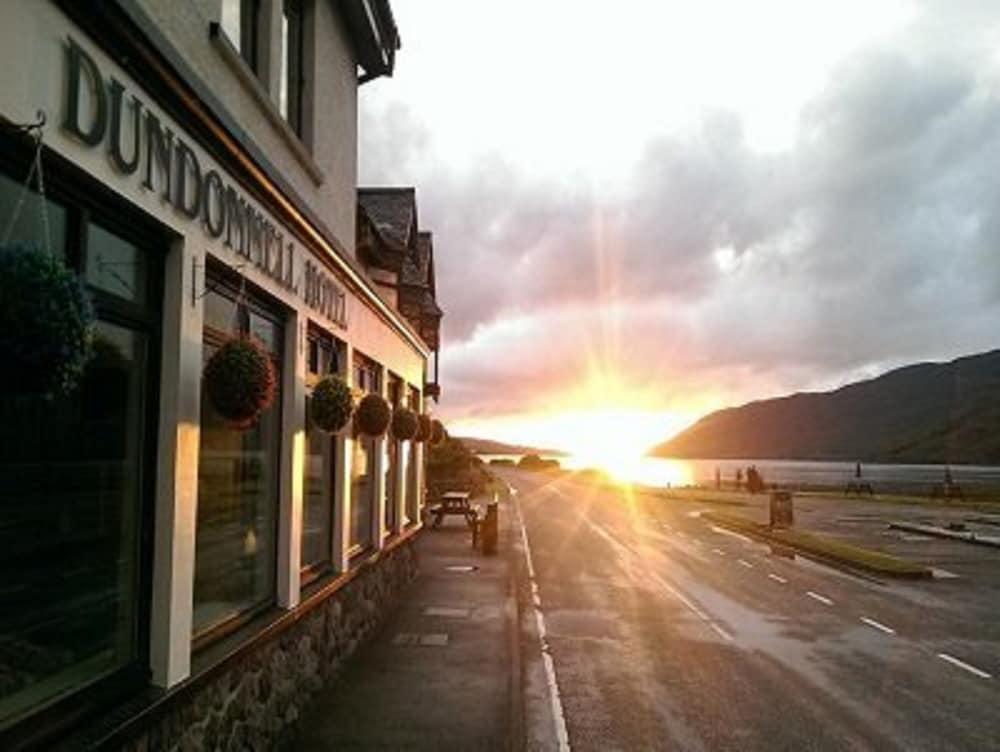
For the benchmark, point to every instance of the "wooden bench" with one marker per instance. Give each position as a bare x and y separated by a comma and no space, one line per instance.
454,504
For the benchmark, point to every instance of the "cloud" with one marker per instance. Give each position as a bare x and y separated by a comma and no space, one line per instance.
872,241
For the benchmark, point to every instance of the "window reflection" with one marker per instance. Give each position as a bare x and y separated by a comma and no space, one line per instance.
70,486
237,493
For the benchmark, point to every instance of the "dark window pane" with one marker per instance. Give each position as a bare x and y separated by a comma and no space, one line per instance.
392,454
115,266
28,228
70,485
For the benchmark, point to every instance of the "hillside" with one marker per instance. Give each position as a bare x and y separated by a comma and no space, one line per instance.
489,446
930,412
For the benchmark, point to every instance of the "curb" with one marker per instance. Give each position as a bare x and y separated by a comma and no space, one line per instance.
516,740
940,532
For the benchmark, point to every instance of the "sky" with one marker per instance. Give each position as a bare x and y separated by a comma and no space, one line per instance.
645,211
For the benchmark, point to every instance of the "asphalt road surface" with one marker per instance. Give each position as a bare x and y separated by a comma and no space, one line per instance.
643,627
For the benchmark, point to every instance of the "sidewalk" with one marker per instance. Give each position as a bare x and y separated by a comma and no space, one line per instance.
444,671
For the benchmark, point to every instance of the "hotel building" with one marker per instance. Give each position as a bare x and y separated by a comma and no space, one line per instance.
166,580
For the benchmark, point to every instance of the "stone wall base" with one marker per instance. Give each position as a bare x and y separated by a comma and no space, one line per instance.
255,703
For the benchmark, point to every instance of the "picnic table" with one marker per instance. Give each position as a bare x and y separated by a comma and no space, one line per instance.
455,503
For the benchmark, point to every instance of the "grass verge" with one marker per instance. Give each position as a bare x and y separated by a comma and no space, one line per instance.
700,495
824,549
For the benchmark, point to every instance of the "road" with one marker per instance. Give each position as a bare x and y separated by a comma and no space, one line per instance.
645,628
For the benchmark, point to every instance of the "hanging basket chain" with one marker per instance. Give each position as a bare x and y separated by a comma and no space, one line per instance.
34,173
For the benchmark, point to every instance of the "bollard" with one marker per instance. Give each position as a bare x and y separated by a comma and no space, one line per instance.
491,528
781,509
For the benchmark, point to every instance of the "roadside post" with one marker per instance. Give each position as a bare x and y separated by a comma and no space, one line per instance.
782,514
491,528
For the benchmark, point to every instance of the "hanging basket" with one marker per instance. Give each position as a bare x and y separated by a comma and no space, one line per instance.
46,323
404,424
423,428
331,404
240,381
372,416
438,433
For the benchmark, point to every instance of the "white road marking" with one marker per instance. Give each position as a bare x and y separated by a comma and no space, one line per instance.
943,574
665,526
878,625
719,551
730,533
746,563
688,603
559,719
777,578
963,665
818,597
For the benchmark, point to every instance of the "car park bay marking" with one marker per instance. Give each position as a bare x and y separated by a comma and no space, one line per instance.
818,597
878,625
963,665
777,578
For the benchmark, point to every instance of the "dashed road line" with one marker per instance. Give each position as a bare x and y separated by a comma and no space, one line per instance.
963,665
746,563
818,597
777,578
878,625
718,551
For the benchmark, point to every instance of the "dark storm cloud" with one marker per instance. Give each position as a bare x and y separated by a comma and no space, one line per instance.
874,241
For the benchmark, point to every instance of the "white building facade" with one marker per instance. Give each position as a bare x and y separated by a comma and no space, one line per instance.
200,165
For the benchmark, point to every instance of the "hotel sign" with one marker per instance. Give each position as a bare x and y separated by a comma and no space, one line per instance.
139,144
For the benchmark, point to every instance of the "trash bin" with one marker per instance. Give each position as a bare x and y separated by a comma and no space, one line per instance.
781,509
491,528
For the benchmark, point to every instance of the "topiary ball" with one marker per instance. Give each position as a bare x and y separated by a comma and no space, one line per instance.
46,323
404,424
240,381
372,415
423,428
331,404
437,432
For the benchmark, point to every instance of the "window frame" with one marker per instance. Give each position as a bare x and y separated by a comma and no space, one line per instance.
87,200
293,64
222,279
310,572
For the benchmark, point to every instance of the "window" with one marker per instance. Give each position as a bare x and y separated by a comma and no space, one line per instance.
367,378
318,494
76,479
394,453
238,483
241,22
292,67
412,490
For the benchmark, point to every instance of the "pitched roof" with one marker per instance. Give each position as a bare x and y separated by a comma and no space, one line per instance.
393,211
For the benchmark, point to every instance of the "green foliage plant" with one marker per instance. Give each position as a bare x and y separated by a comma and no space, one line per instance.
240,381
372,415
405,424
332,404
46,323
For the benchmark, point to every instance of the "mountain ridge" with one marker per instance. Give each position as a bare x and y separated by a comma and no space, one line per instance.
935,412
